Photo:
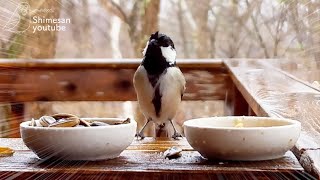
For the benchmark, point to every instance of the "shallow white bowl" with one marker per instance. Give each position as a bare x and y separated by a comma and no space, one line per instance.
78,143
261,138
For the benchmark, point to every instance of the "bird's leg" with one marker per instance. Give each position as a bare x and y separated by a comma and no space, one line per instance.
140,134
175,135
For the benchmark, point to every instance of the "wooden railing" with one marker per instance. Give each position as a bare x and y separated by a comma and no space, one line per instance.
99,80
102,80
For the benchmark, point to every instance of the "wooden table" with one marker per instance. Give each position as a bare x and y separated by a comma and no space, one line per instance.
145,159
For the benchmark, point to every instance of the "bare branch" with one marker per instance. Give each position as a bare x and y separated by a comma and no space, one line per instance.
277,38
182,30
298,27
134,20
36,6
213,34
257,31
188,15
114,8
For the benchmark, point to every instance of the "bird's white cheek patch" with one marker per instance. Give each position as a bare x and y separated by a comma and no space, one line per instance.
169,53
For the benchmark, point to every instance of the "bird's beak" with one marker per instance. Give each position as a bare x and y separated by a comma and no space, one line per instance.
152,41
155,35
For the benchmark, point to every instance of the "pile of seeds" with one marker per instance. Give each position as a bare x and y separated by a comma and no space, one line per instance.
69,120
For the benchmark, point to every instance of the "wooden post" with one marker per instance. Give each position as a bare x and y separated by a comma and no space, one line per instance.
15,118
235,104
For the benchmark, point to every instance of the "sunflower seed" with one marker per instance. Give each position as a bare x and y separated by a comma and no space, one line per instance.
45,121
64,123
98,123
173,152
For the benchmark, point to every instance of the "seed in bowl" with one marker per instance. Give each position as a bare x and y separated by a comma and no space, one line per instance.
46,121
238,123
69,120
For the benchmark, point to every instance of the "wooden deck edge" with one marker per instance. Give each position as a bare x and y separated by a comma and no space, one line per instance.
293,77
307,158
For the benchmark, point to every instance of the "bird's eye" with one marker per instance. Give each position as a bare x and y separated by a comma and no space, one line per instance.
165,44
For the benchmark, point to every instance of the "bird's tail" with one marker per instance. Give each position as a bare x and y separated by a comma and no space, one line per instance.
164,130
161,130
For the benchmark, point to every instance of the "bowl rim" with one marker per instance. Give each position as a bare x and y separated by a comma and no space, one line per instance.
292,122
25,125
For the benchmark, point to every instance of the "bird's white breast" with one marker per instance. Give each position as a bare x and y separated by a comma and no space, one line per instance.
171,85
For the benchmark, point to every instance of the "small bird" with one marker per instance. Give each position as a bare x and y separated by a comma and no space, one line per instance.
159,83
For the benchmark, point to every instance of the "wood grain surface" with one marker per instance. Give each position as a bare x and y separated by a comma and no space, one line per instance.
98,80
102,63
145,159
270,92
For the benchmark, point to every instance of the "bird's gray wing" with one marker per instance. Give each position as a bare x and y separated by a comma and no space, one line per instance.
181,81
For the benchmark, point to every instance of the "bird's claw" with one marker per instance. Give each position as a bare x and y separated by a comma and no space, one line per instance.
140,135
176,136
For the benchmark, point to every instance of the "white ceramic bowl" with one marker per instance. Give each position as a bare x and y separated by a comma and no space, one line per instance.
78,143
261,138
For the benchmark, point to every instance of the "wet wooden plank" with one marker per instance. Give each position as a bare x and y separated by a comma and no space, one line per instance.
98,85
270,92
102,63
99,80
302,70
145,158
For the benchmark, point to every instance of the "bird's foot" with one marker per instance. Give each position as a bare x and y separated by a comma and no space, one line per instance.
140,136
140,133
176,135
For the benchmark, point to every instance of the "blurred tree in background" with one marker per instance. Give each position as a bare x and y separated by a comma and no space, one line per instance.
200,29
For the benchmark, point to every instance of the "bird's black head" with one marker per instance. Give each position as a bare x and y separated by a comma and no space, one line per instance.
161,40
159,53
